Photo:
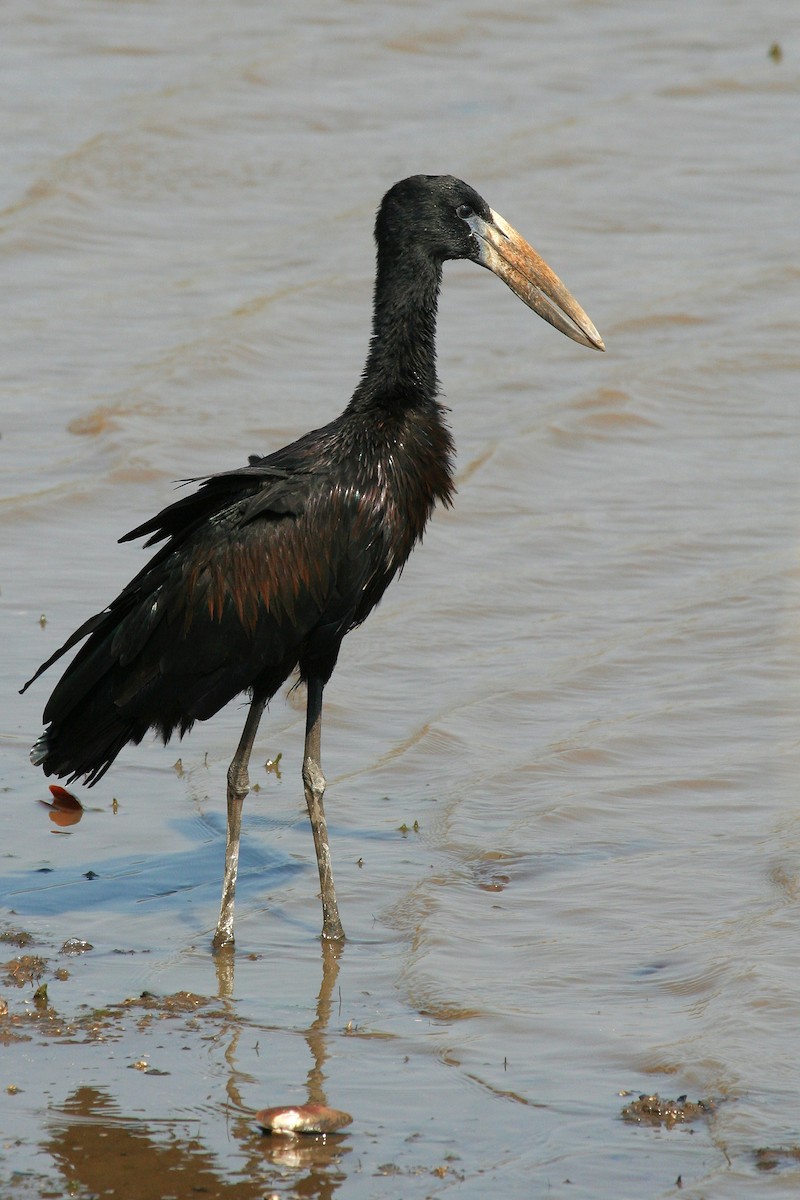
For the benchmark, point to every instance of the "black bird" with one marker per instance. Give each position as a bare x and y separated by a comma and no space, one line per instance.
264,569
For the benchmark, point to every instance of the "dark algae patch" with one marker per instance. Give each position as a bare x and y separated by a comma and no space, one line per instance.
770,1158
654,1111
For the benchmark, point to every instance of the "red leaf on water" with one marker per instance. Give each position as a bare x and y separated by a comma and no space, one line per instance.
65,808
64,799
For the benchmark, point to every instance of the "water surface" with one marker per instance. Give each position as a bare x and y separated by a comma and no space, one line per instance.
583,690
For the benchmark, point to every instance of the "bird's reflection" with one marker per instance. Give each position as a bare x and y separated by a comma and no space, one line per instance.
319,1156
100,1152
317,1033
97,1148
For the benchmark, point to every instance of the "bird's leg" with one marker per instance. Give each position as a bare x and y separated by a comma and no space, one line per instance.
314,783
238,787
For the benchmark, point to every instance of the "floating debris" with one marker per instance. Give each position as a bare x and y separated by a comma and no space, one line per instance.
64,798
775,52
76,946
652,1110
167,1006
143,1065
16,937
302,1118
28,968
769,1158
65,809
273,765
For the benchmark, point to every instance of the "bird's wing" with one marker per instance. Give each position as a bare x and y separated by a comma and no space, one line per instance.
261,483
258,488
251,565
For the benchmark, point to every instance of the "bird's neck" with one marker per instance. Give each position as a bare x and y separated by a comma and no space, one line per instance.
400,372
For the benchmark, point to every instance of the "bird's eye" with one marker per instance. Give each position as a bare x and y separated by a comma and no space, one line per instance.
465,211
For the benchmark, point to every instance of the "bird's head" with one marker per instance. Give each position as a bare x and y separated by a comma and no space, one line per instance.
450,220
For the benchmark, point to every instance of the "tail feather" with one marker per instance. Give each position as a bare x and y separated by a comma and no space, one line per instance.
86,739
101,704
40,749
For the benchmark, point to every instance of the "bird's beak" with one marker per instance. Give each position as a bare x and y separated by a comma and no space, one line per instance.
504,251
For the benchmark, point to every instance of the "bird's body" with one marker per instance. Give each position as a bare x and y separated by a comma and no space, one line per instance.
264,569
239,596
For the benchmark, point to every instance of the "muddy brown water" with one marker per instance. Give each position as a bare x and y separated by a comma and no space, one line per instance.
583,690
